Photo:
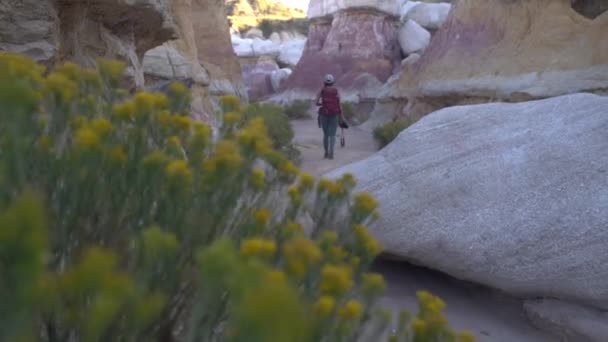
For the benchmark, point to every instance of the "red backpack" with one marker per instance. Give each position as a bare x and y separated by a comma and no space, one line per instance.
330,101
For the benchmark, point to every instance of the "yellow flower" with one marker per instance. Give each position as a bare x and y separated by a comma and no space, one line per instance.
337,254
262,216
181,122
158,244
101,126
227,155
178,89
328,238
87,138
373,284
292,229
164,118
70,70
294,195
352,310
179,170
366,243
336,280
276,277
155,159
255,136
301,254
325,305
324,185
230,103
348,180
174,141
306,180
365,203
419,327
258,178
232,118
258,247
145,102
61,87
123,111
118,155
288,168
111,69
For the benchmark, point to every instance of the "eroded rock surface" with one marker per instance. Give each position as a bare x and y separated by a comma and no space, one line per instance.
513,196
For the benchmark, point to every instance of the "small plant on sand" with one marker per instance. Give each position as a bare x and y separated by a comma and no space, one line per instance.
121,220
298,109
386,133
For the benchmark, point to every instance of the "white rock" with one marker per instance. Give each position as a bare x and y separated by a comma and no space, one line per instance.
430,15
243,47
265,48
278,76
510,195
321,8
254,33
291,52
411,59
286,36
405,8
413,37
275,38
166,62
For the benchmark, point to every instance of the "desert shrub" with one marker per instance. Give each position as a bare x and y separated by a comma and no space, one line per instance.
348,110
298,109
386,133
120,220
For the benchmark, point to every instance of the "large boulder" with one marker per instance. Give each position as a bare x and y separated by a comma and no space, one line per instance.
348,44
513,196
413,37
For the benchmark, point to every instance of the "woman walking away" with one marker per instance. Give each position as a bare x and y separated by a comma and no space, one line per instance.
330,113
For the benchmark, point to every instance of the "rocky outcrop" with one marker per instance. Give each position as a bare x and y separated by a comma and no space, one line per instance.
512,51
261,60
30,27
513,196
210,29
82,31
211,74
356,43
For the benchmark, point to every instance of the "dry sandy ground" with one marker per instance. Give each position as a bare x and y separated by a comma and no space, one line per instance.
491,316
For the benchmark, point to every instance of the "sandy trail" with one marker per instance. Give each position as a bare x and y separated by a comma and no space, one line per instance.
491,316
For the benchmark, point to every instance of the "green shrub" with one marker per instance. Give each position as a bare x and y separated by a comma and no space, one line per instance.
348,110
120,220
386,133
298,109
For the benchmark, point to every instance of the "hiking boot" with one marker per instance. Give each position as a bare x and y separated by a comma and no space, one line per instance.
331,156
326,155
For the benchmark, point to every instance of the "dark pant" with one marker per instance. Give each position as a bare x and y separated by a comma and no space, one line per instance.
330,126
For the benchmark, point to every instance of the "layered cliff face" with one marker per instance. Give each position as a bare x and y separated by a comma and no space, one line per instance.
511,51
202,53
356,42
81,31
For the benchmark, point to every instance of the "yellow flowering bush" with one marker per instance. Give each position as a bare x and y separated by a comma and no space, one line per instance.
122,220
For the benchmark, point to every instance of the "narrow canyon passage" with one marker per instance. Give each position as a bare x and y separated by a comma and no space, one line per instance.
491,316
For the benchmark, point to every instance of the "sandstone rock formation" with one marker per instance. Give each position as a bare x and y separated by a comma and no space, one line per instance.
356,41
213,72
513,196
510,50
81,31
